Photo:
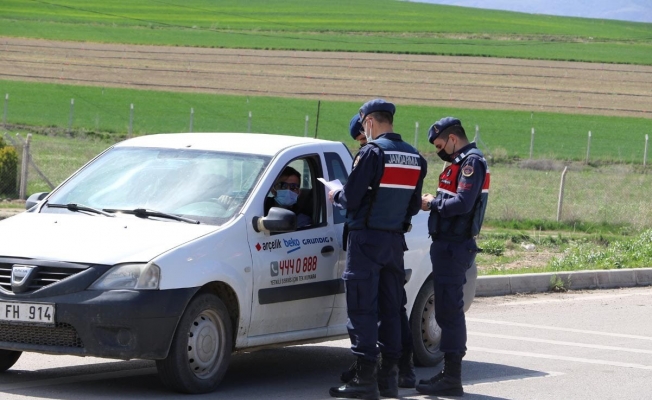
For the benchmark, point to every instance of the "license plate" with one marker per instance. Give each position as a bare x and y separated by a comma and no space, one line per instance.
40,313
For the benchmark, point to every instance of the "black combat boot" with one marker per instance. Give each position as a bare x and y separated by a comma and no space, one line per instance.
433,379
363,385
406,376
349,373
437,376
449,381
388,377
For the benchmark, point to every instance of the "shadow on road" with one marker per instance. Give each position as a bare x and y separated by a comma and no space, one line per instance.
299,372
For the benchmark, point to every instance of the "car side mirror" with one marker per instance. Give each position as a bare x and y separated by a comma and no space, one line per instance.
34,199
277,220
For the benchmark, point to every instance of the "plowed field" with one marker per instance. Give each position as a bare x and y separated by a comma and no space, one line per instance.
463,82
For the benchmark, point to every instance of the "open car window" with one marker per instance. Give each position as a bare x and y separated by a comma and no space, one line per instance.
310,207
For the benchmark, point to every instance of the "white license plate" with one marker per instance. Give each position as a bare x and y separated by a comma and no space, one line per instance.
41,313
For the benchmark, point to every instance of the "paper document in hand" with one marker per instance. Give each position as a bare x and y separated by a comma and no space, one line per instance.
331,185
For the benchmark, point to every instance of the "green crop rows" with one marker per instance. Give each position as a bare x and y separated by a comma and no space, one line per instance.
364,25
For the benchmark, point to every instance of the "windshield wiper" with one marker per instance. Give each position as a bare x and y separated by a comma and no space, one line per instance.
80,207
142,212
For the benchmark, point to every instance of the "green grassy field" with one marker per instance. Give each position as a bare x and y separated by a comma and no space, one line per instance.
364,25
561,251
598,196
503,134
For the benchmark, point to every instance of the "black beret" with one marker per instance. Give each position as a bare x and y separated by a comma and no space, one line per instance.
376,105
438,127
355,127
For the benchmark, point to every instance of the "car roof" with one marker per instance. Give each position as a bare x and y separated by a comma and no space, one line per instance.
250,143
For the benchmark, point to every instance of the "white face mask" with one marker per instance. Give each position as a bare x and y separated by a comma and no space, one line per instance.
367,134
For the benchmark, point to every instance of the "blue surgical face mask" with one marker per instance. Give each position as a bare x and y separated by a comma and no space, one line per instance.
286,198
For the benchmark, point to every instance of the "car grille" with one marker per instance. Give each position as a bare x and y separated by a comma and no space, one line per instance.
43,276
61,335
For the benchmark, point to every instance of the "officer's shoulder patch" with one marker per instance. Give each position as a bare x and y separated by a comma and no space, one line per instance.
467,170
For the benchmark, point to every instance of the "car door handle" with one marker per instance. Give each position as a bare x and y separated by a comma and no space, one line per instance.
327,250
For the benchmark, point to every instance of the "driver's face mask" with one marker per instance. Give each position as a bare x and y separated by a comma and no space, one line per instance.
286,197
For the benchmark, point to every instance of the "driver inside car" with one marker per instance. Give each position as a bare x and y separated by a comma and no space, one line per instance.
286,193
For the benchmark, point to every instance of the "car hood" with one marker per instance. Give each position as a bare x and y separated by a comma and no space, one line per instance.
92,239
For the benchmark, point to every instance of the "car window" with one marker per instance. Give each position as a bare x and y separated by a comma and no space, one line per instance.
337,170
310,204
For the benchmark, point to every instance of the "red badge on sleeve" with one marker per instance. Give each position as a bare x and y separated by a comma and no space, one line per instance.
467,170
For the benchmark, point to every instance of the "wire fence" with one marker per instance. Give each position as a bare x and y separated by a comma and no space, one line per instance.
16,162
114,112
531,189
545,190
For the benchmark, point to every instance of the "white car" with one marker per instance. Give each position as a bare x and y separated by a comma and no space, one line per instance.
159,248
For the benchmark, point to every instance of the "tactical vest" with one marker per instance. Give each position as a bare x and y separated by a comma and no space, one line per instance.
385,205
465,226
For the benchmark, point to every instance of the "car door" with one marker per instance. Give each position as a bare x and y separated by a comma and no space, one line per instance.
294,285
337,169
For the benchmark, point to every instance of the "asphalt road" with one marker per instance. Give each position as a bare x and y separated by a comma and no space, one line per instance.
576,345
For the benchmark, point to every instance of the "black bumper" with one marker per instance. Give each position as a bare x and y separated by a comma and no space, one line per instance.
121,324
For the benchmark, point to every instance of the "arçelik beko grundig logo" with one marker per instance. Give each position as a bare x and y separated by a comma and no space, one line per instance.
292,244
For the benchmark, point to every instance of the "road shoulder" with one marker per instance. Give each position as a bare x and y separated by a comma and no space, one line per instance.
501,285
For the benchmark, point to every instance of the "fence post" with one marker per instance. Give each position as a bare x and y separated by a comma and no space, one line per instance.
416,134
317,121
531,142
24,166
588,148
305,128
4,116
561,194
249,123
477,133
192,115
131,119
71,116
645,152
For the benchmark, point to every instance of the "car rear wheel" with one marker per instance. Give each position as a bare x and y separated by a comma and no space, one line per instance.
8,358
426,334
201,347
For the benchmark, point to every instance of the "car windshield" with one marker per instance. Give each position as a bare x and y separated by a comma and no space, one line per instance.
206,186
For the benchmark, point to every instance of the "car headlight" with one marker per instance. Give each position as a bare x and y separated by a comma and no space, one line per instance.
130,276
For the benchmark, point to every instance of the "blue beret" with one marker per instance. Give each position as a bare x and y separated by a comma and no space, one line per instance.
376,105
440,126
355,127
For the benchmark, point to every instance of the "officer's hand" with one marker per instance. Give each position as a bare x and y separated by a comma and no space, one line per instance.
425,201
331,194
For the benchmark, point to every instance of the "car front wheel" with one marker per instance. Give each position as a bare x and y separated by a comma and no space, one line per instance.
426,334
201,347
8,358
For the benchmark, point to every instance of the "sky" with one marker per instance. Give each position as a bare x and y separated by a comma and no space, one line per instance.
626,10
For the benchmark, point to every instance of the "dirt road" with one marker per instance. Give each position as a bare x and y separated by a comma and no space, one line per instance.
466,82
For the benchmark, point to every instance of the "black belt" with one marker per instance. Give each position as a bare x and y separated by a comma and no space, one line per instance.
450,239
376,229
